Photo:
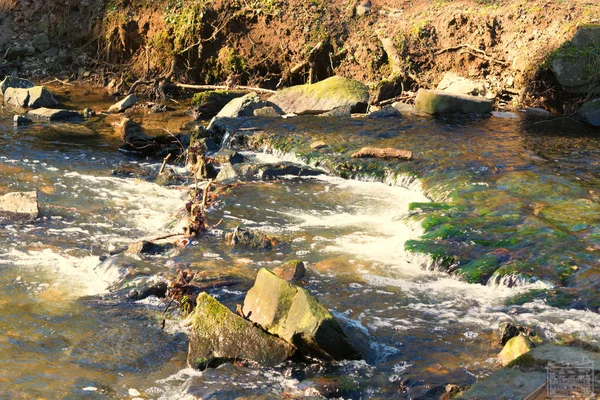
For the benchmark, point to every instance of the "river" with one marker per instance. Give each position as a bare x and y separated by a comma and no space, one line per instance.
68,332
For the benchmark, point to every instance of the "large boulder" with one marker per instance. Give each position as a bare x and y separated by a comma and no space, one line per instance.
438,102
19,205
573,63
220,336
290,312
239,107
206,105
33,97
13,82
590,112
323,96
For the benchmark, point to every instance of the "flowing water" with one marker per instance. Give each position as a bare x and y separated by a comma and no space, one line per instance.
67,330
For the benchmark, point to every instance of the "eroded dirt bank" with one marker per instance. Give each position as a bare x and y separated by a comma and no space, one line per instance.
395,47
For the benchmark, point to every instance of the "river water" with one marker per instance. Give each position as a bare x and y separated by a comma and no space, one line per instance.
67,332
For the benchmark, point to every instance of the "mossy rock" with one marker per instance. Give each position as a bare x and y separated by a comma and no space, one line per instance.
293,314
324,96
435,102
220,336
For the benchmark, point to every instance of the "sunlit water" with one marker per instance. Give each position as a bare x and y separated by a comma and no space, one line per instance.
64,335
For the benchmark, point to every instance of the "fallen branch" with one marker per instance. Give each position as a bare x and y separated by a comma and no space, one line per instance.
56,80
219,87
473,51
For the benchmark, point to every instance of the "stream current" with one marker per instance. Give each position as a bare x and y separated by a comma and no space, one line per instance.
65,335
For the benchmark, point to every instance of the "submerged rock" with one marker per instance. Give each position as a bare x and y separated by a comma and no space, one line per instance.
220,336
438,102
19,120
124,104
320,97
291,271
270,171
590,112
52,114
19,206
339,112
252,239
290,312
386,153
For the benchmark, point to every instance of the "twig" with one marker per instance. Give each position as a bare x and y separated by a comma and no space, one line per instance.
219,87
164,164
56,80
473,51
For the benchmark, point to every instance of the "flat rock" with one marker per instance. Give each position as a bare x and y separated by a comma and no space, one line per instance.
124,104
320,97
19,205
270,171
339,112
220,336
291,313
385,112
511,383
438,102
51,114
538,113
385,153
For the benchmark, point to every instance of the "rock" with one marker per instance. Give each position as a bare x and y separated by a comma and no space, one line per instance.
44,23
291,271
16,53
169,177
205,144
228,156
14,82
319,144
20,120
438,102
39,96
554,353
41,42
537,113
137,142
363,8
515,348
88,113
132,170
505,114
386,153
513,383
270,171
19,205
252,239
387,89
508,331
590,112
573,63
33,97
51,114
239,107
339,112
320,97
385,112
207,104
124,104
405,109
268,111
290,312
147,247
220,336
454,83
158,108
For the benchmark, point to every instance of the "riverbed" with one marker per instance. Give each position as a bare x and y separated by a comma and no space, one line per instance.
65,334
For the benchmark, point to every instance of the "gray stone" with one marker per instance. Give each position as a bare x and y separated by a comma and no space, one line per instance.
340,112
124,104
538,113
438,102
555,353
587,35
454,83
228,156
250,238
44,24
512,383
239,107
16,53
220,336
14,82
20,120
291,313
590,112
51,114
41,42
405,109
385,112
270,171
267,111
323,96
16,97
19,205
34,97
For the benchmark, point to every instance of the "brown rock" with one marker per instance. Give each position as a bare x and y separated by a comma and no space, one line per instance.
387,153
291,271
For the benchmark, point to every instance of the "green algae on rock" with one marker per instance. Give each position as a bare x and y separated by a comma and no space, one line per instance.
439,102
290,312
323,96
220,336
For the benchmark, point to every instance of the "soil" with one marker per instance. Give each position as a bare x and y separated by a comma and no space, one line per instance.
271,43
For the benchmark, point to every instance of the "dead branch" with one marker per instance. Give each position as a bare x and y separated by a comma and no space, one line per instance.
164,163
56,80
218,87
473,51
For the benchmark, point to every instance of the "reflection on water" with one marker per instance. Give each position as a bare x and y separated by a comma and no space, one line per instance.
62,335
